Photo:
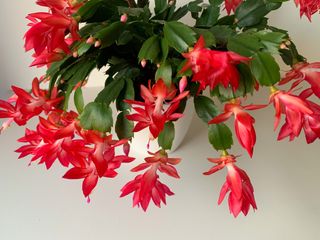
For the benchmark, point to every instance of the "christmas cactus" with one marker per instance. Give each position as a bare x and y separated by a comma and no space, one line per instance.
155,64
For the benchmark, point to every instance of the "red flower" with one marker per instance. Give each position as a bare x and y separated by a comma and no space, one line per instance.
309,72
243,123
238,183
103,153
231,5
28,105
294,107
147,186
212,67
90,175
308,7
47,33
151,112
101,160
54,139
310,122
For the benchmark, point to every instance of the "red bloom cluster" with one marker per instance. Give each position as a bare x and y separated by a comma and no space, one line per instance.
53,140
308,7
243,123
212,67
303,114
303,71
237,182
231,5
300,113
151,112
23,105
147,186
92,155
47,33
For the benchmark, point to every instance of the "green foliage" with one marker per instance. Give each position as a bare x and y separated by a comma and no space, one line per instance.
166,137
252,12
114,87
78,100
97,116
110,34
265,69
220,136
208,17
150,49
159,36
179,36
164,72
205,108
124,127
244,44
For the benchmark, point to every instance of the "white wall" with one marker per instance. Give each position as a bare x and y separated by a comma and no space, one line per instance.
36,204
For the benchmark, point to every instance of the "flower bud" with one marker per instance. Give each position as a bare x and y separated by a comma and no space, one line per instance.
97,44
90,40
124,18
75,54
143,63
183,84
126,149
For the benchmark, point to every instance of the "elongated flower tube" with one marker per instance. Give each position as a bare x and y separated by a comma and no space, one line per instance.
147,186
293,107
243,122
238,183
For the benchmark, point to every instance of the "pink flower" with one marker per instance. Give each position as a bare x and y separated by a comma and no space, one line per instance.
241,195
231,5
147,186
294,107
243,123
151,113
212,67
308,7
304,71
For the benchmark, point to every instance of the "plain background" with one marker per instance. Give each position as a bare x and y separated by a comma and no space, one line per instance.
36,204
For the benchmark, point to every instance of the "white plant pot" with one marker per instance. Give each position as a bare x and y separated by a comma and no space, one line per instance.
182,125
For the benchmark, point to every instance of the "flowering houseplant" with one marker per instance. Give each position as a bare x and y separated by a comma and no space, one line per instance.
156,64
